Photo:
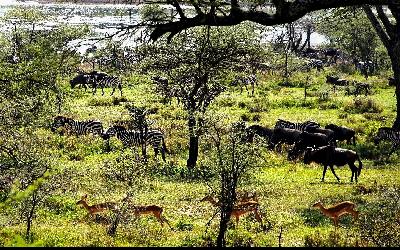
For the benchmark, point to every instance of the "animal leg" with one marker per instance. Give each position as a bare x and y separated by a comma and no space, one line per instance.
113,90
333,171
102,91
354,171
323,173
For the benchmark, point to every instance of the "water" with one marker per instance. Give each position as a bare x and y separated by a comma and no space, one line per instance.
103,18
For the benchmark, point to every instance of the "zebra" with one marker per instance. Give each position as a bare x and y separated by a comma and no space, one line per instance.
389,134
134,138
244,81
301,126
104,80
77,127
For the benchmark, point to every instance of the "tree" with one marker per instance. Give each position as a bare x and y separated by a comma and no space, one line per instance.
232,157
197,63
273,12
388,29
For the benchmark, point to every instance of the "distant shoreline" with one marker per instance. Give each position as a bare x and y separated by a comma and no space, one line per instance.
93,1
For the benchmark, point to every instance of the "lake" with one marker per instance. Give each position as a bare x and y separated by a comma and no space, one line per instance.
103,18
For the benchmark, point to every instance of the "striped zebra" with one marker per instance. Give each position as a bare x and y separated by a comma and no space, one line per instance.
77,127
103,80
388,134
301,126
244,81
134,138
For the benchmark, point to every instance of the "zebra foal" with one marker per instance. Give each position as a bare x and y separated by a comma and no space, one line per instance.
134,138
77,127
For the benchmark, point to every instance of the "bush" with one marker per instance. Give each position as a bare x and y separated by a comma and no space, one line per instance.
333,239
379,224
363,105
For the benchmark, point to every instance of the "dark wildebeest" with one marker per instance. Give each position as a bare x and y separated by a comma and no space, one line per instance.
328,132
336,81
260,131
82,79
284,135
343,133
307,139
331,156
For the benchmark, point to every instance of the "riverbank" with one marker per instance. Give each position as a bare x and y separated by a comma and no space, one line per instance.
93,1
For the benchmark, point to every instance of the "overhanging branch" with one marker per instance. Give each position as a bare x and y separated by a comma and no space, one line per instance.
377,26
285,12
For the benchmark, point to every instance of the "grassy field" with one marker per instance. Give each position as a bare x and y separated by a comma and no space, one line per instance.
286,189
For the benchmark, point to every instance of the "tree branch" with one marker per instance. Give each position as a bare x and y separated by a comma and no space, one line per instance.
377,26
285,12
178,8
385,21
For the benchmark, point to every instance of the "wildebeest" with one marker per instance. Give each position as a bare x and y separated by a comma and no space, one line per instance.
260,131
284,135
307,139
335,80
82,79
328,132
342,133
331,156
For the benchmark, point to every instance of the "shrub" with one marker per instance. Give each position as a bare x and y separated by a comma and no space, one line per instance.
333,239
379,224
363,105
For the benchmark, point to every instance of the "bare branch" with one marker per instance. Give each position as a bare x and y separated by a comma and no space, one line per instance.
178,8
285,12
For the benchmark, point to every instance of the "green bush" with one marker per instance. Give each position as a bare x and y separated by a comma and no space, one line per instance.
363,105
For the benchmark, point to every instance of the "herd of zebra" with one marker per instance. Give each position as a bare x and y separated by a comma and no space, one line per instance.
128,138
318,144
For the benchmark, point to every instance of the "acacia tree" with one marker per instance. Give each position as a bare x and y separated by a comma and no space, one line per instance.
196,63
273,12
232,156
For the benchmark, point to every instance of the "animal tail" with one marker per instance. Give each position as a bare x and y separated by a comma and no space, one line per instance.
360,165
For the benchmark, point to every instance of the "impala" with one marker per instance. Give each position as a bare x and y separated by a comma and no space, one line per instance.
97,208
334,212
152,209
243,207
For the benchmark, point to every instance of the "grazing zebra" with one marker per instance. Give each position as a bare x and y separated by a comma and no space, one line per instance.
77,127
104,80
301,126
389,134
133,138
244,81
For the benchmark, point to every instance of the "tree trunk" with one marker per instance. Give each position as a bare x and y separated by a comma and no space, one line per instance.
193,144
223,226
394,57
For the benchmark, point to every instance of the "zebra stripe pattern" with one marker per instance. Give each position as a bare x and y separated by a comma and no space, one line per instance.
302,126
388,134
134,138
77,127
102,80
